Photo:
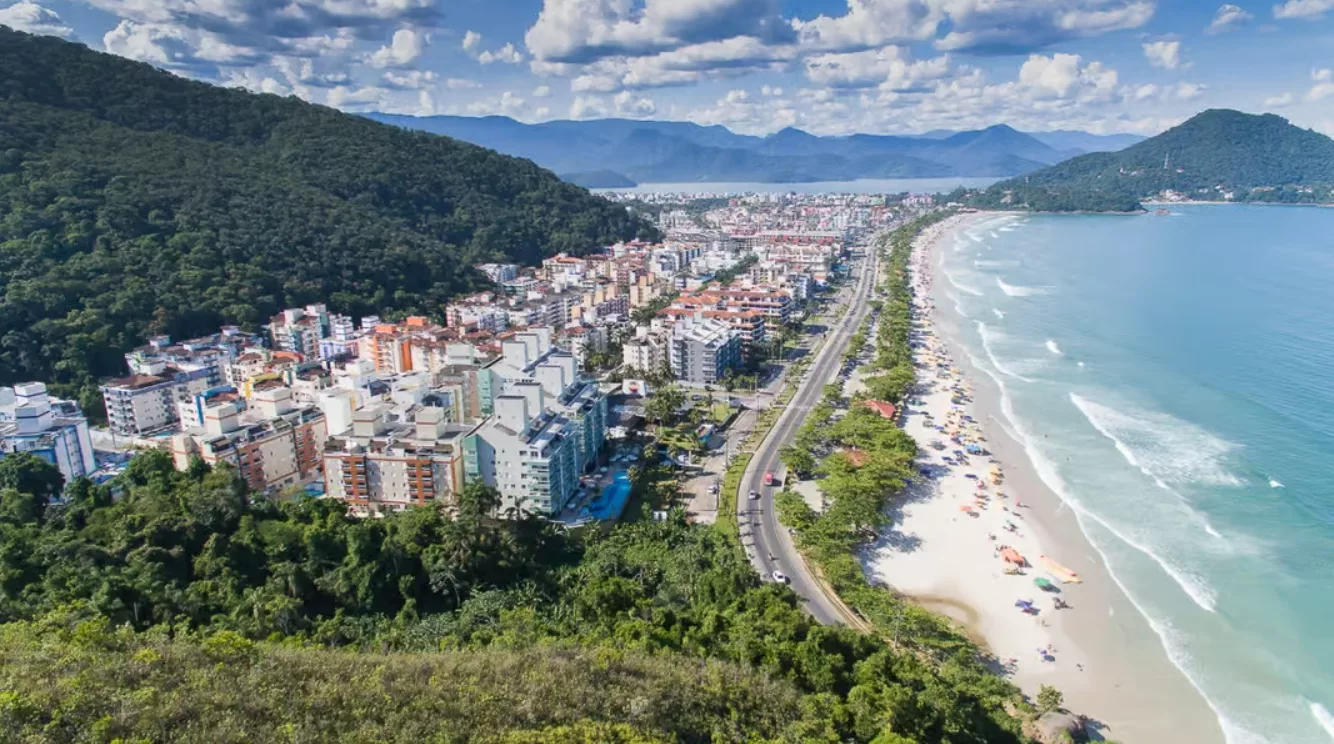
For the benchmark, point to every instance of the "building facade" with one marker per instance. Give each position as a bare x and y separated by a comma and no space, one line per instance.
52,429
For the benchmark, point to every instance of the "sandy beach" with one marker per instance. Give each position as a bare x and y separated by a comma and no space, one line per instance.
951,537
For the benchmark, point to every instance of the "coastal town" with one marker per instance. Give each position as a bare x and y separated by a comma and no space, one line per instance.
535,387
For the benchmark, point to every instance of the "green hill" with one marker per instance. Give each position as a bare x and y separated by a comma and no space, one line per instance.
118,686
1219,155
134,202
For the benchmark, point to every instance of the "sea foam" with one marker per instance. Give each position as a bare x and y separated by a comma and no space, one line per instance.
987,338
1163,447
1172,642
999,314
1053,348
1014,291
1324,718
961,287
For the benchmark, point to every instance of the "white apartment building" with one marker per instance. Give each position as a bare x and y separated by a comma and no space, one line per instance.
527,454
53,429
646,352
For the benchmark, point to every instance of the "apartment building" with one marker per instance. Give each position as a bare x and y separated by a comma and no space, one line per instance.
145,404
53,429
750,325
273,442
647,352
499,272
384,465
299,330
701,350
528,454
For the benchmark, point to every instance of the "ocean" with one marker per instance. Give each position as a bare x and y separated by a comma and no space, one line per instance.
860,186
1172,379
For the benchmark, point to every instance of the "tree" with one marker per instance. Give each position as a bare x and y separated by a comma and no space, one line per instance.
31,475
665,404
798,459
1049,699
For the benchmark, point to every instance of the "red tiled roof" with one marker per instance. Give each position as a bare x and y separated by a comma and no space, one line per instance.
886,410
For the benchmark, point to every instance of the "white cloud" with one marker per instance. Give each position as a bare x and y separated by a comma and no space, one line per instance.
1308,9
890,68
588,107
1007,26
583,31
1164,54
1145,92
402,50
461,84
1056,75
506,54
1279,101
1228,18
35,19
632,106
1324,85
471,41
251,79
771,91
410,79
171,46
871,23
1189,91
541,91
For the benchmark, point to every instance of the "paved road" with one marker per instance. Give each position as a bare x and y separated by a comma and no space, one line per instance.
772,546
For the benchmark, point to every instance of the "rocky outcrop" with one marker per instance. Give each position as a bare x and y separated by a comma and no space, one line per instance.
1058,728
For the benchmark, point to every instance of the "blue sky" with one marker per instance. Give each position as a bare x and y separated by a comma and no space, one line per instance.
755,66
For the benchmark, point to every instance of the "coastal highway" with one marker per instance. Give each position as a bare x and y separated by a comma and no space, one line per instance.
768,542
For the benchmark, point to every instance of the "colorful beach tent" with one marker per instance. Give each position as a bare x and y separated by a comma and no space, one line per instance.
1012,556
1044,584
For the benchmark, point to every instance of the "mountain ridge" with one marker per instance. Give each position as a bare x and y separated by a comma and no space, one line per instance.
135,203
687,152
1216,155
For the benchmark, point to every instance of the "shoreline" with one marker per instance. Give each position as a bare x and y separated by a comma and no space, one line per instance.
1105,659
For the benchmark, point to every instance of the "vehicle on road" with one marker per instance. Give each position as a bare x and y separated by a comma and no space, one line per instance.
754,495
781,577
771,480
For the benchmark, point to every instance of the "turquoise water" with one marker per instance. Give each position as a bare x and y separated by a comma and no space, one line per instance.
1172,378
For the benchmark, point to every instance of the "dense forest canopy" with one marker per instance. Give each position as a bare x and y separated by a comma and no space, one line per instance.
134,202
1219,155
185,604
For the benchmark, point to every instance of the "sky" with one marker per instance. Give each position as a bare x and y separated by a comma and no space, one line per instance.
754,66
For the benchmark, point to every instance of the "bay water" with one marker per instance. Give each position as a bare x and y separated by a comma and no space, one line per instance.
1172,378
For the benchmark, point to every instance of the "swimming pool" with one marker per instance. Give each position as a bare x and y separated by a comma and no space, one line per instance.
611,502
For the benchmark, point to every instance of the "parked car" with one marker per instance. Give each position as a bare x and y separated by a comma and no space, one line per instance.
781,577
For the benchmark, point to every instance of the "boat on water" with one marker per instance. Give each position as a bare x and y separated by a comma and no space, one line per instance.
1065,575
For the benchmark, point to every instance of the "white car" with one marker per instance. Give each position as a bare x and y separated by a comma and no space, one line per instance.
754,495
781,577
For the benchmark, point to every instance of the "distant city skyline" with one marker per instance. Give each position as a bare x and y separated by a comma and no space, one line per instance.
755,66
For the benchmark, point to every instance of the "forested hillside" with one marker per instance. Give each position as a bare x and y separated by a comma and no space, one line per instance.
1219,155
186,611
134,202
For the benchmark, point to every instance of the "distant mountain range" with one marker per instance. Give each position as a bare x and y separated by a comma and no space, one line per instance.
1218,155
609,153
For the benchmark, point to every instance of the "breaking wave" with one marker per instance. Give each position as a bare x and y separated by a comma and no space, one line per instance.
1004,369
1053,348
1014,291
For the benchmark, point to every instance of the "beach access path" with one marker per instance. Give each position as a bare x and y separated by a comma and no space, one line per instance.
768,543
